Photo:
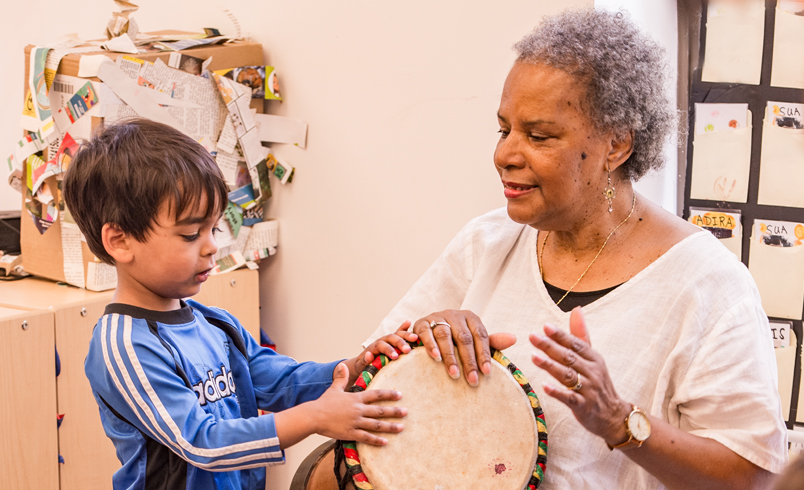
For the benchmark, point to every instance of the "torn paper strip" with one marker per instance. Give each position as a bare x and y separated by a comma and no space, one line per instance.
120,44
260,79
243,197
252,149
272,91
279,129
100,276
237,99
242,240
228,137
38,171
239,246
88,65
283,171
229,263
196,104
15,180
78,105
29,121
39,91
56,165
137,97
224,236
253,215
228,163
121,21
26,147
41,207
264,235
131,66
154,76
194,43
263,174
234,215
256,255
54,57
64,88
73,256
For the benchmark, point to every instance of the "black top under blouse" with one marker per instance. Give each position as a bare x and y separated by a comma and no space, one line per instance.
574,299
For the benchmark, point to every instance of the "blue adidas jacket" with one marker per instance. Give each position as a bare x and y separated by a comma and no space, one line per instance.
178,393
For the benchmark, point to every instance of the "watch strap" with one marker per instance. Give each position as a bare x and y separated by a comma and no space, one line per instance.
623,444
631,439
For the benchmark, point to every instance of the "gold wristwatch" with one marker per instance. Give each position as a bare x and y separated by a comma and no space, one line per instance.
637,426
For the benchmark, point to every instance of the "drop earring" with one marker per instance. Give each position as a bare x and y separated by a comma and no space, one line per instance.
609,191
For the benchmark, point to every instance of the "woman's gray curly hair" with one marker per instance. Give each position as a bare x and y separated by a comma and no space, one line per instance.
625,72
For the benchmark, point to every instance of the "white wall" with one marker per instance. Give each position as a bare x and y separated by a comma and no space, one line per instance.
658,18
401,101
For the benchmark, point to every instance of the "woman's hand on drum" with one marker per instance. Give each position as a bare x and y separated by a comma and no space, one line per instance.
441,332
587,388
350,416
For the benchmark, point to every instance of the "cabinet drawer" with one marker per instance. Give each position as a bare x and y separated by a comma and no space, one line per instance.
28,437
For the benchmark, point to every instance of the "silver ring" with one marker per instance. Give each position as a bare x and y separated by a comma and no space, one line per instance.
578,384
434,323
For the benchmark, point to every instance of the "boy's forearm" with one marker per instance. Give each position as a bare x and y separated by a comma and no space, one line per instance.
295,424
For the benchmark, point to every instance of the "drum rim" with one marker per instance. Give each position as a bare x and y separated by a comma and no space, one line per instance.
347,450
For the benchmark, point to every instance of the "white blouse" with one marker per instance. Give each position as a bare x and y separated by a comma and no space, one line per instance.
686,340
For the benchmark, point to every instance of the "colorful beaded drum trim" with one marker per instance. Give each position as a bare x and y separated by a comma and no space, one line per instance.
346,451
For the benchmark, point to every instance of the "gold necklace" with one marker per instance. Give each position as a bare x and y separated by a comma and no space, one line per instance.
544,242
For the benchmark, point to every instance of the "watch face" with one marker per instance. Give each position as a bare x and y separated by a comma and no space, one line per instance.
639,425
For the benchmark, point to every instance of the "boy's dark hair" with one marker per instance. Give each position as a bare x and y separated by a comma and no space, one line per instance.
126,171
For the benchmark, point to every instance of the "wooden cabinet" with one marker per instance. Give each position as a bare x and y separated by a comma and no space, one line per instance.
70,314
238,293
89,456
28,437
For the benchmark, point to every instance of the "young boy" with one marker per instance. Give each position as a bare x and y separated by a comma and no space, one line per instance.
179,383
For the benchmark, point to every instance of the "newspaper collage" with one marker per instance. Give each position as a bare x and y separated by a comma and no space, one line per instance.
213,108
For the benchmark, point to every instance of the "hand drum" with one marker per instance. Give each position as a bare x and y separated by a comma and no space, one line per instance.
456,437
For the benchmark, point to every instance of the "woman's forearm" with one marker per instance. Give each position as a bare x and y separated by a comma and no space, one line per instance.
685,461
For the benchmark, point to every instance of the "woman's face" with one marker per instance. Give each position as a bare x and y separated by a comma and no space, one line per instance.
551,161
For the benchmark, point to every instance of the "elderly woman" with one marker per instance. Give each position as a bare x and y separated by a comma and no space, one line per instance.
668,373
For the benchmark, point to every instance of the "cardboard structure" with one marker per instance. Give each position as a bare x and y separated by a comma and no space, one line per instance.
44,253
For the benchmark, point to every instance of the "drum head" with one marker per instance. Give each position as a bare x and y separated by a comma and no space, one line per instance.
455,436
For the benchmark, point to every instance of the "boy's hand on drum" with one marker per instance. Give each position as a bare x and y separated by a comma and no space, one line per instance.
350,416
587,388
387,345
441,332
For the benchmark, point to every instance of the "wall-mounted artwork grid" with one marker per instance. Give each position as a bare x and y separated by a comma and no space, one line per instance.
745,162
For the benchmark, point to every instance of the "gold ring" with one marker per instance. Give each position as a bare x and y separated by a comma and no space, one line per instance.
578,384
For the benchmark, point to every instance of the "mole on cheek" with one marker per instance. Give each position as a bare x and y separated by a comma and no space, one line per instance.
583,156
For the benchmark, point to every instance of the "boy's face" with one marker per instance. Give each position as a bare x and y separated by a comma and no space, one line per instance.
176,257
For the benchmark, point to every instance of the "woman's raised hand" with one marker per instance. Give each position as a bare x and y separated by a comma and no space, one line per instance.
587,388
443,331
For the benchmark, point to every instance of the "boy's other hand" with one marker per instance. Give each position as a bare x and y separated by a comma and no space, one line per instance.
350,416
387,345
